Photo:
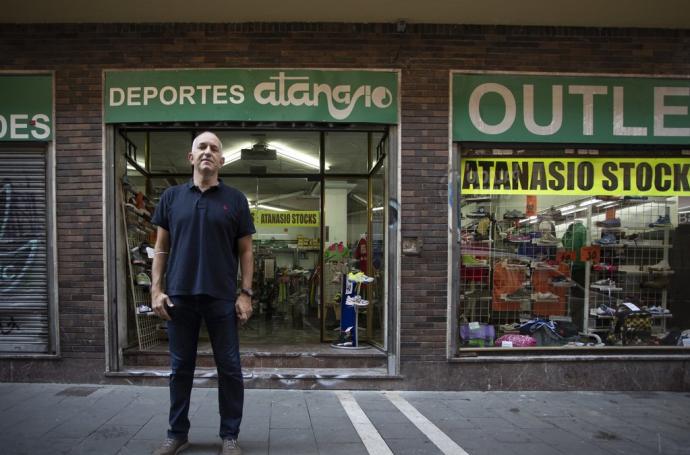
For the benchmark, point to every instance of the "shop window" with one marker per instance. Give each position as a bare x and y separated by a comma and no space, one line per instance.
561,269
304,247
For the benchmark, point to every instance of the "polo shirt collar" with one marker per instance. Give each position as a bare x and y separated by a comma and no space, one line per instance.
191,185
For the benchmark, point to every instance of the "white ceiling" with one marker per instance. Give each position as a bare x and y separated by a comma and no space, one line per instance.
592,13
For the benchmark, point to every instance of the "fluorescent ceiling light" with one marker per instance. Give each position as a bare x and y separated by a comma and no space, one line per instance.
532,218
270,207
376,209
568,207
589,202
282,151
297,156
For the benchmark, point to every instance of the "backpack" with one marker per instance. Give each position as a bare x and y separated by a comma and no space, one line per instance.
574,238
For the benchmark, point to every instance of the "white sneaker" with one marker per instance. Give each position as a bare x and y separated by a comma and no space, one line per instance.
661,266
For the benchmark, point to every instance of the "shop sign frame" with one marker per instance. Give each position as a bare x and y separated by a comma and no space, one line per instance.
569,108
231,94
26,106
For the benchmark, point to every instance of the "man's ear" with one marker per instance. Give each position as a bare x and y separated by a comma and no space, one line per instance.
222,160
190,158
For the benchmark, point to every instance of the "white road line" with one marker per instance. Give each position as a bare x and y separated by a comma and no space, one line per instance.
431,431
371,438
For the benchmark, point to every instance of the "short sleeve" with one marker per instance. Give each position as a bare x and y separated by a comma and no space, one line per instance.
246,222
160,216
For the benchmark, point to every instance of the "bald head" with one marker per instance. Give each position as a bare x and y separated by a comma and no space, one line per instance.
205,137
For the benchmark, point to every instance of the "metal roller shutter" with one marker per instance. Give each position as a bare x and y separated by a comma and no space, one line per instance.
24,302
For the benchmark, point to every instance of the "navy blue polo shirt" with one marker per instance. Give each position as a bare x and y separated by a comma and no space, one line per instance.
204,228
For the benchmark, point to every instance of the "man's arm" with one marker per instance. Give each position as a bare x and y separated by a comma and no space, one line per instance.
159,299
243,305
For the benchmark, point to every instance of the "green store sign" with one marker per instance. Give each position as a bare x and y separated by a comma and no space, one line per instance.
570,109
26,107
251,95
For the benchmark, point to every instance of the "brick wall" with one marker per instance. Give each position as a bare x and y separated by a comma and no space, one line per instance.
425,53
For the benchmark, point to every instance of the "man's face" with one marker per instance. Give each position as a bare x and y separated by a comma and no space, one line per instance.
206,156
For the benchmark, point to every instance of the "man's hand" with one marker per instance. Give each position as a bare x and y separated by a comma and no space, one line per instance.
159,301
243,307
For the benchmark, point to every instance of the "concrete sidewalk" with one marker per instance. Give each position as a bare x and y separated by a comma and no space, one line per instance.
111,419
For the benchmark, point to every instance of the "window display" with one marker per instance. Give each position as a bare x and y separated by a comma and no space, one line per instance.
560,268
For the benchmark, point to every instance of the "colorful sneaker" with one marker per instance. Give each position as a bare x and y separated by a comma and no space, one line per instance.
603,267
519,294
513,215
144,309
480,212
610,223
143,279
540,296
662,266
605,285
470,261
359,277
607,238
562,282
548,239
663,221
519,238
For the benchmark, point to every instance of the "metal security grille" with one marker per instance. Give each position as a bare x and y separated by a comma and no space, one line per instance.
24,310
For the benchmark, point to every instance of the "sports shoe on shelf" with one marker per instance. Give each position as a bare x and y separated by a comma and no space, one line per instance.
479,212
356,301
470,261
519,294
663,221
604,267
137,257
562,282
143,279
661,267
345,339
144,309
519,238
548,239
359,277
604,310
606,284
513,215
539,296
171,446
654,309
607,238
610,223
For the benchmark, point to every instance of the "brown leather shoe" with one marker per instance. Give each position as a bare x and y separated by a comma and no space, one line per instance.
171,446
230,447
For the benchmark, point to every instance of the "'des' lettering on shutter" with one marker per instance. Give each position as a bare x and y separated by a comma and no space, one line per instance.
24,320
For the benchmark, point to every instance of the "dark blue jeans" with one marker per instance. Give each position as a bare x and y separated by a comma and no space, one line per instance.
183,333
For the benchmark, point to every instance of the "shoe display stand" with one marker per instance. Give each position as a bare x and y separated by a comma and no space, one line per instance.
349,317
139,231
503,276
635,260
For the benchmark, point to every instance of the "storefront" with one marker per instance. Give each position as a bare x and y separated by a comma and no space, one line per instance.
28,297
313,153
568,234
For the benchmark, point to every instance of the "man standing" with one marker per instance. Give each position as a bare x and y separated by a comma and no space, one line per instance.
204,227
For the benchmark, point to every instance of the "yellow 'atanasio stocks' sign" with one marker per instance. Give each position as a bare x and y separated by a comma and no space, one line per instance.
294,218
597,176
